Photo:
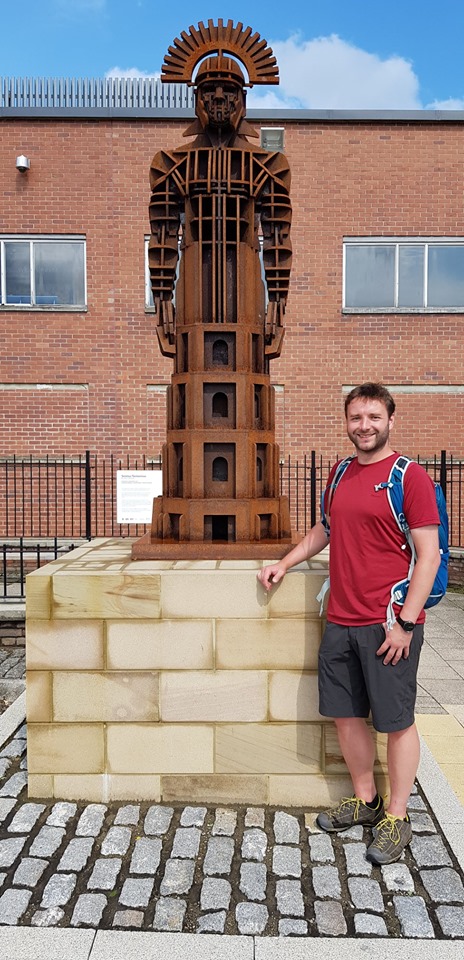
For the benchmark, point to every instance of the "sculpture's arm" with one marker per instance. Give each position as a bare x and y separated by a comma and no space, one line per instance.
276,217
163,252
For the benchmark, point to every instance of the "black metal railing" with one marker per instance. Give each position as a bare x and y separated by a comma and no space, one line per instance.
49,503
20,557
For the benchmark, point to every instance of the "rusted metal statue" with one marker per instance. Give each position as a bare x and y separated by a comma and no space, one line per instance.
212,201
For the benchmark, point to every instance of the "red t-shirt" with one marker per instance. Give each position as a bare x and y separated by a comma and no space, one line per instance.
366,555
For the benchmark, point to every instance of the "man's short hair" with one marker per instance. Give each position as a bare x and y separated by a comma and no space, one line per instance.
371,391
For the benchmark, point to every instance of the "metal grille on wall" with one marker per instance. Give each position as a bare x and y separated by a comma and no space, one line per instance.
112,93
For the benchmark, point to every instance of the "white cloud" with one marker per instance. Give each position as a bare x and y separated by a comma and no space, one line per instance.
130,73
329,73
453,103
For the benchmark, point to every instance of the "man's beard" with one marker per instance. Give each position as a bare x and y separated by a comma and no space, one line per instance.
377,441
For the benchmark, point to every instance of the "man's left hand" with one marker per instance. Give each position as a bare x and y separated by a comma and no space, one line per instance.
396,644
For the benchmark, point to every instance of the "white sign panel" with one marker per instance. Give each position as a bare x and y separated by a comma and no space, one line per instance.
135,490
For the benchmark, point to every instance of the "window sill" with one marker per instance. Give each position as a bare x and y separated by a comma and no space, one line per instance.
41,308
395,310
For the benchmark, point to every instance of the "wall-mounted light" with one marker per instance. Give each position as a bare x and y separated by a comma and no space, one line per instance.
23,164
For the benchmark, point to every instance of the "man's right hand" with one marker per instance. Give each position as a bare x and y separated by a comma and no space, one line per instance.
271,575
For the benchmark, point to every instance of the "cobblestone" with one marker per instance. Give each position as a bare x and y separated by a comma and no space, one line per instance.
451,920
157,820
225,823
289,898
193,816
178,877
131,919
88,910
105,873
186,842
321,849
128,815
212,922
443,886
76,854
26,818
146,856
413,917
136,893
91,820
48,918
116,841
330,921
247,870
215,894
288,928
286,828
13,904
61,814
251,917
397,878
286,861
219,855
254,844
326,882
47,841
355,856
169,914
58,890
29,872
253,878
366,894
371,925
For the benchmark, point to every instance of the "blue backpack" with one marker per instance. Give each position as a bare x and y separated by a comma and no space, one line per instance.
395,494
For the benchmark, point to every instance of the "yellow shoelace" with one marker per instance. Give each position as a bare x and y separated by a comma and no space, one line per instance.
388,827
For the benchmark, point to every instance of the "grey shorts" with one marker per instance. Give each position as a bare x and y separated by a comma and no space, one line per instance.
354,681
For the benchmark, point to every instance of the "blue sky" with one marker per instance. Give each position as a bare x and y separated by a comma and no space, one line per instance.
359,54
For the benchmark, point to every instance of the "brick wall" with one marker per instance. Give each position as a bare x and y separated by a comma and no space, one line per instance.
349,179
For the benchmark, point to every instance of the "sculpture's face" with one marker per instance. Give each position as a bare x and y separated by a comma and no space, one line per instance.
220,103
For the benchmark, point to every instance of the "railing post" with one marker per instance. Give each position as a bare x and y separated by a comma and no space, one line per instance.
443,477
313,487
88,497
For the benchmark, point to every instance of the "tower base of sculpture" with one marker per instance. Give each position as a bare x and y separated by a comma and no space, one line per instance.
216,529
148,548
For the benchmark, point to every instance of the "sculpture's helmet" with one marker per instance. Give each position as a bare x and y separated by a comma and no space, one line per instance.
220,95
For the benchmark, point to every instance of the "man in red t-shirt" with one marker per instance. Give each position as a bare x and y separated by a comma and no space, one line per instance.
366,666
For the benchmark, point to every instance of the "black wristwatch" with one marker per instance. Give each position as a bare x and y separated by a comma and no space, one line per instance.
406,625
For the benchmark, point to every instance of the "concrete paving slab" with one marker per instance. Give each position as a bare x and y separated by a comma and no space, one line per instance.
13,717
137,945
379,949
30,943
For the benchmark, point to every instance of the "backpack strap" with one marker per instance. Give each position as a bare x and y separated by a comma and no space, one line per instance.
328,493
395,495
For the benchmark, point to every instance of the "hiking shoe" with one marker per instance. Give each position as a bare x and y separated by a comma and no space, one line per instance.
391,836
350,812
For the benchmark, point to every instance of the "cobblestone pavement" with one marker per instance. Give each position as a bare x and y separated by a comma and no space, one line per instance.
232,870
12,670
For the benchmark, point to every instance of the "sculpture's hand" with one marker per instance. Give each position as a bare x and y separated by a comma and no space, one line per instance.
166,318
274,316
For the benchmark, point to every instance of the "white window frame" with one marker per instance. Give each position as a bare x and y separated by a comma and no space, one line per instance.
31,240
396,242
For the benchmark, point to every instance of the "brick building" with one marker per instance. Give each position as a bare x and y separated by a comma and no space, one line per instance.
377,288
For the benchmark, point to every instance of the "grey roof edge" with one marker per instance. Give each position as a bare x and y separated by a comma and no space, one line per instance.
274,115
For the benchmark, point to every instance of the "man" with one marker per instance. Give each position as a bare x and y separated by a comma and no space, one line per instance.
366,665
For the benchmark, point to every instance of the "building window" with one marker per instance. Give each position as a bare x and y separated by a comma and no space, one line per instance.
42,272
272,138
404,274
